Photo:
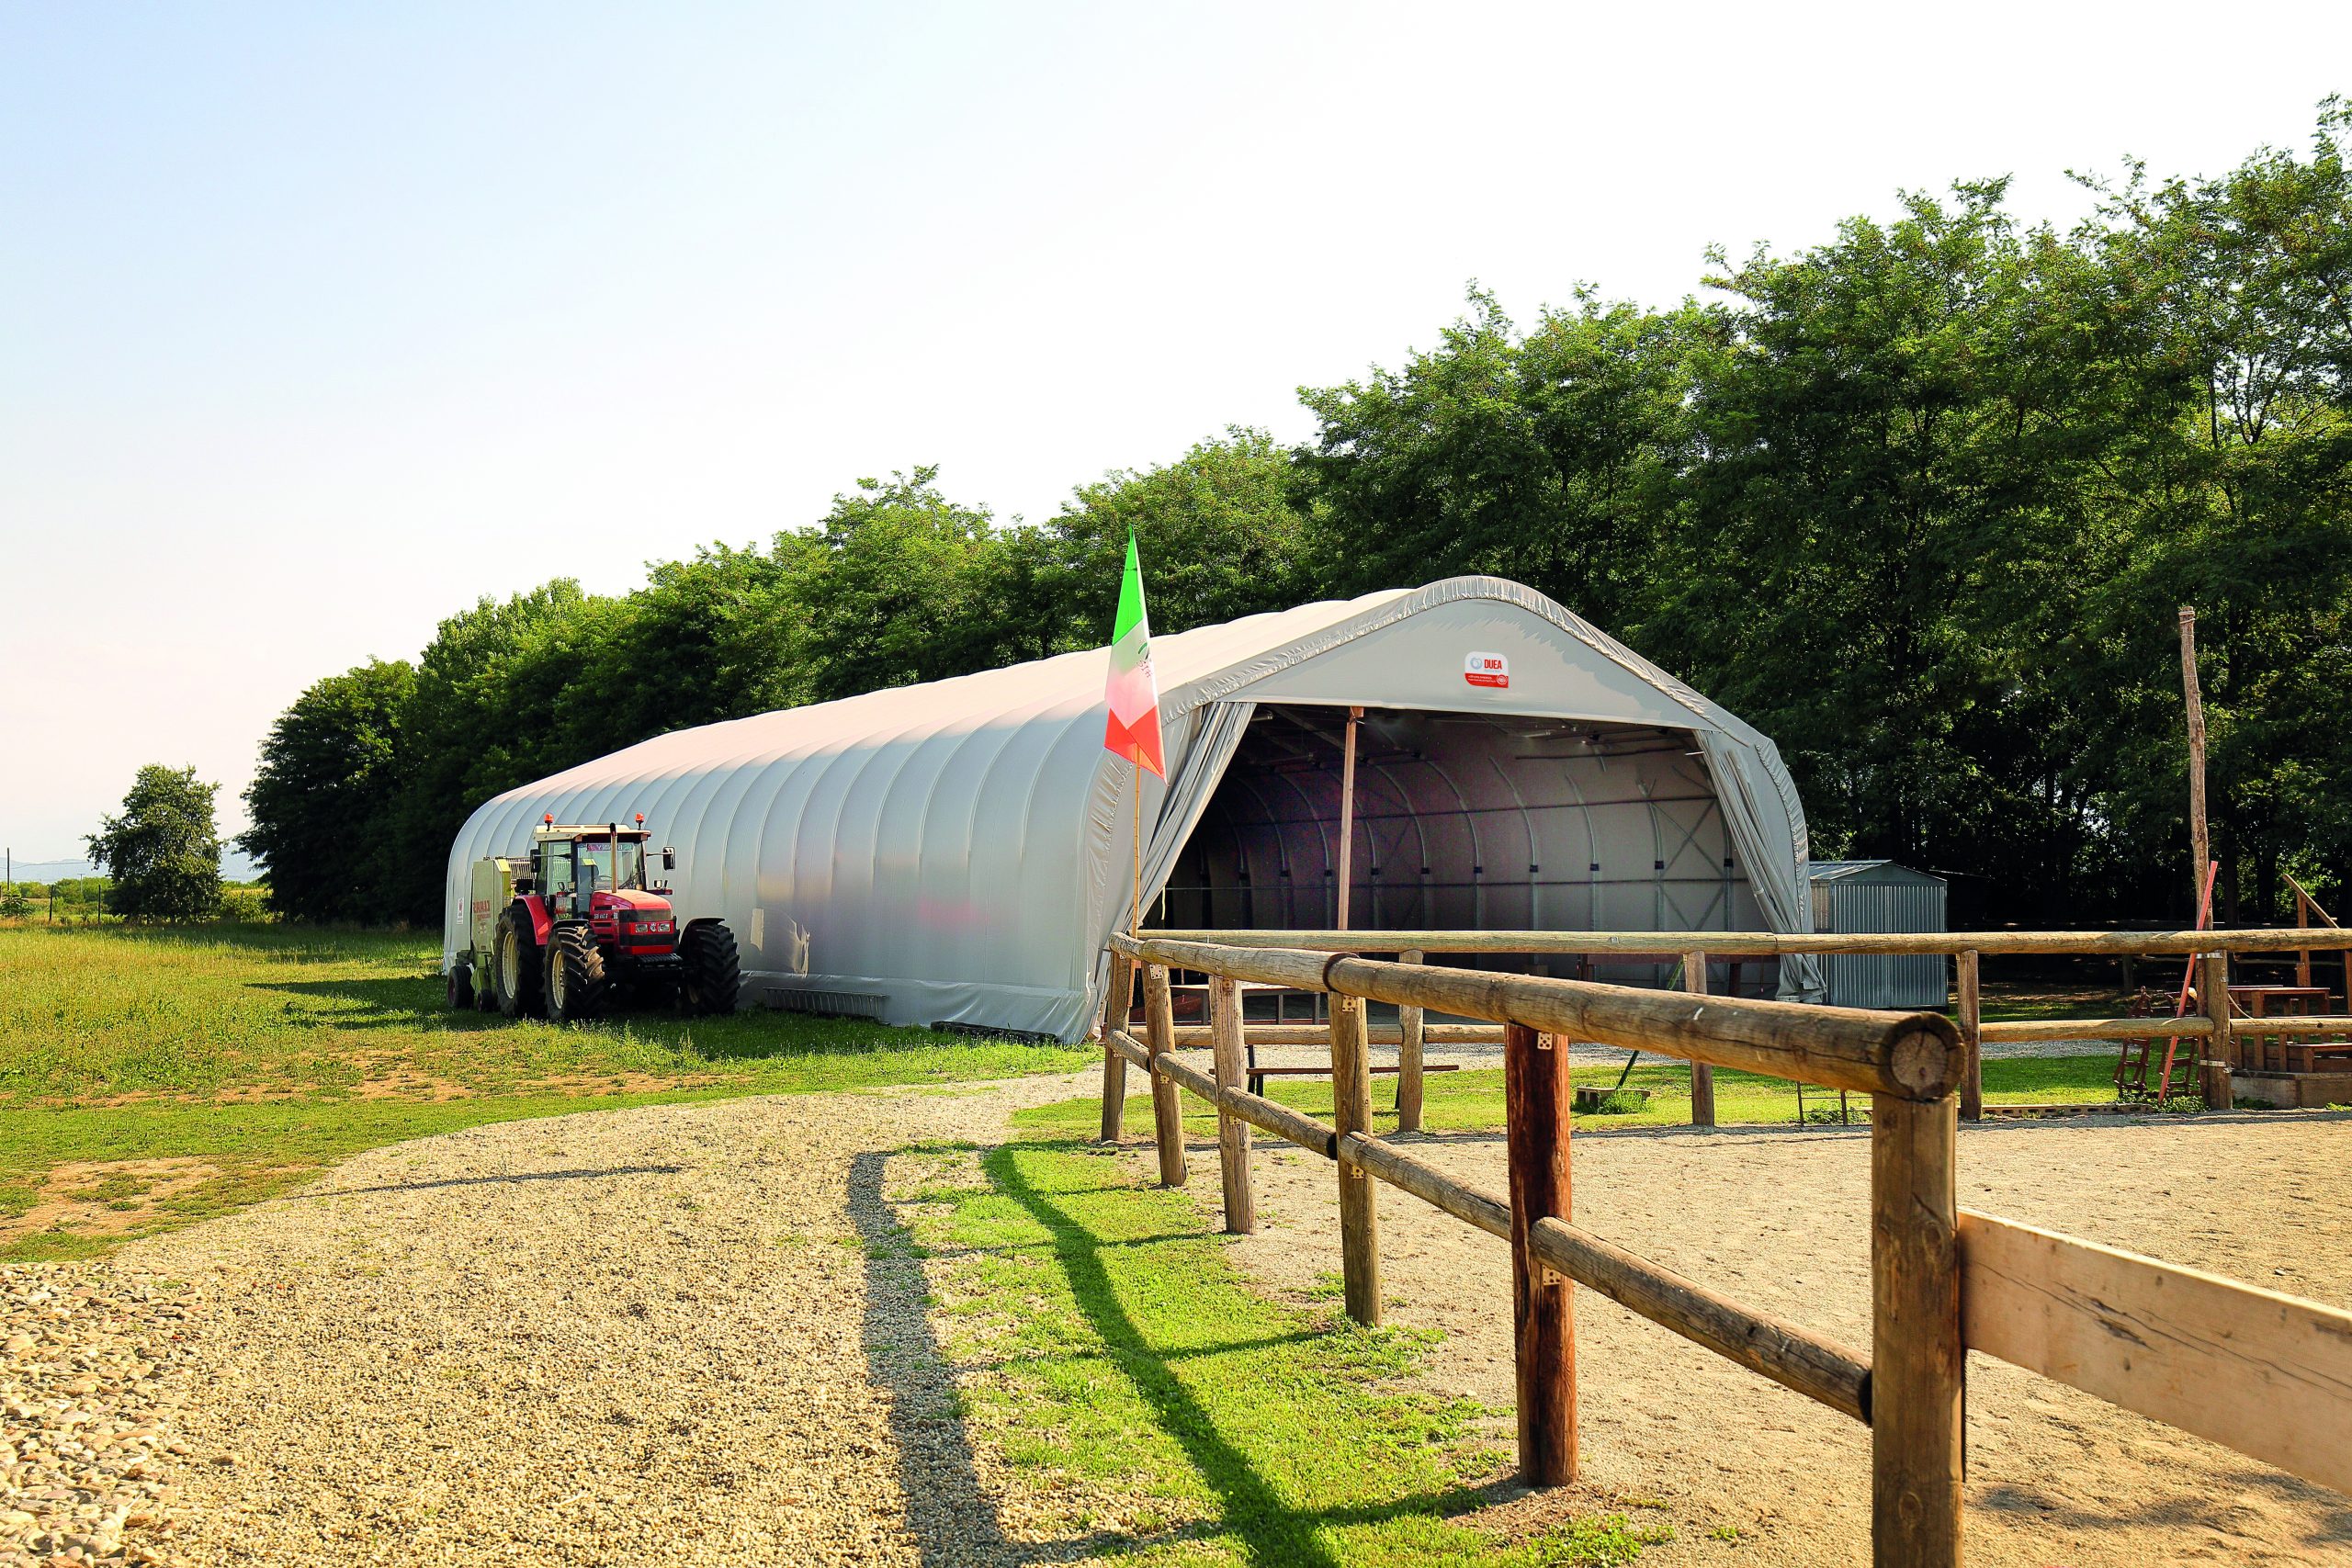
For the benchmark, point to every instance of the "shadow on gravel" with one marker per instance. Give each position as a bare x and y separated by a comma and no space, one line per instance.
499,1181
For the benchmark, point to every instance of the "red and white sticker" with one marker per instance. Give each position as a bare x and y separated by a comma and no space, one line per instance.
1487,670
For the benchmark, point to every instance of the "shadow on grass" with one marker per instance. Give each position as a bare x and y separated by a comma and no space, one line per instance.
951,1512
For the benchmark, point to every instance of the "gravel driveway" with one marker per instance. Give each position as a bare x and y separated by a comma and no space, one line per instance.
674,1333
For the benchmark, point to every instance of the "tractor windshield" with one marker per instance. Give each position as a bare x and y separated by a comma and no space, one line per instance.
597,869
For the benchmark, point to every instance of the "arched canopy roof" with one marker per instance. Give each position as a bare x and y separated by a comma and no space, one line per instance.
958,851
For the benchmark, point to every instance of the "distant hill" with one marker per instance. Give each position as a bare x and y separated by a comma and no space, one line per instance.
235,866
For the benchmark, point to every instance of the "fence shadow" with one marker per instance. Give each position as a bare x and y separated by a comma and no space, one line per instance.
949,1509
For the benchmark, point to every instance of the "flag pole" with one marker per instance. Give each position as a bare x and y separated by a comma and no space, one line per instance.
1135,916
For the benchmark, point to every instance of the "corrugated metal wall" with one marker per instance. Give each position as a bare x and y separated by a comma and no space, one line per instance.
1863,901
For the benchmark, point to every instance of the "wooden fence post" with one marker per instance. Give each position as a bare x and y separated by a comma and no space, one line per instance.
1232,1132
1703,1076
1972,1040
1537,1102
2220,1047
1410,1028
1918,1366
1117,1004
1167,1110
1351,1112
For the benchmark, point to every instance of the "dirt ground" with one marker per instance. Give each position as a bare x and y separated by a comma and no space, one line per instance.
1749,1474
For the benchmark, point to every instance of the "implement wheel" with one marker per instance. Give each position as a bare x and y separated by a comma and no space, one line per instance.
714,973
575,975
461,985
514,974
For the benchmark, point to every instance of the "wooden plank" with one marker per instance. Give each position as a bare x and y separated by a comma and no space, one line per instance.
2199,841
1913,1055
1347,817
1167,1115
1795,1358
1412,1035
1536,1096
1918,1364
2220,1052
2266,1374
1629,945
1703,1076
1118,1005
1972,1040
1232,1132
1487,1210
1351,1112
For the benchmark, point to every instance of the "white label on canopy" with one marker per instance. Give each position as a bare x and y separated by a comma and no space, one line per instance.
1487,670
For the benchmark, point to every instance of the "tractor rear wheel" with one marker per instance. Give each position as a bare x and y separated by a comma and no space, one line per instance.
575,975
714,973
514,965
461,985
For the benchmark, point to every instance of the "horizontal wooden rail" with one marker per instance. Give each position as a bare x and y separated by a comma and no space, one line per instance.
1910,1055
2013,1029
1377,1033
1474,1205
2269,1375
1255,1109
1791,1356
2287,1024
1630,945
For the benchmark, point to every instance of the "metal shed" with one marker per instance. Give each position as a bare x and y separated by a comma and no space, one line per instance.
957,853
1880,895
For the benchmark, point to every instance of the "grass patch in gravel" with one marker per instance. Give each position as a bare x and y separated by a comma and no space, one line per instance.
1179,1415
1473,1101
270,1052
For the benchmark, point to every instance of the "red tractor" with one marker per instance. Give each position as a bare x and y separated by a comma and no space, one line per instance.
579,926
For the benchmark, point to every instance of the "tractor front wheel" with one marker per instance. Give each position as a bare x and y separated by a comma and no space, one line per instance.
575,975
514,965
714,971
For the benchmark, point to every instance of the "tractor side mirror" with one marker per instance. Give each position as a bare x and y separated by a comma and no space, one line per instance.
669,858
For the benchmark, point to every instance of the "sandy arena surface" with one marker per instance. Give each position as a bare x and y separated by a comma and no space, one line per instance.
1779,1220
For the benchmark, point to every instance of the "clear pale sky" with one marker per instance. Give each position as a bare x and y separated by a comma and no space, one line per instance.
319,321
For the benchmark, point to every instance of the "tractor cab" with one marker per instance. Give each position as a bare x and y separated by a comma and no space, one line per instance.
582,871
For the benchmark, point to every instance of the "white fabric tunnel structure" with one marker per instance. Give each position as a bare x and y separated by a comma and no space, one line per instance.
957,853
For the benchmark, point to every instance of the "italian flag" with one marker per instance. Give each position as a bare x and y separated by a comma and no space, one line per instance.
1134,729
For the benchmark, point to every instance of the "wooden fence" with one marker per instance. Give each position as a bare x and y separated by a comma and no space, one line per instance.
2266,1374
2210,1034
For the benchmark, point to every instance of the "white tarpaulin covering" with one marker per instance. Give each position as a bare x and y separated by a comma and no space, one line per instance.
958,851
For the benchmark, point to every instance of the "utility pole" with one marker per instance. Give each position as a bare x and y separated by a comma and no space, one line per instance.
2201,845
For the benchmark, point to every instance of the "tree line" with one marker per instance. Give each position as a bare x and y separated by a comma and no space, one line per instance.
1919,501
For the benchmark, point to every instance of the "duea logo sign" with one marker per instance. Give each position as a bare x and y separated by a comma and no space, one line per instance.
1487,670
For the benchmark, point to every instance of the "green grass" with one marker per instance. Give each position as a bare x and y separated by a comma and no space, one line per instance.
1141,1381
1473,1101
270,1051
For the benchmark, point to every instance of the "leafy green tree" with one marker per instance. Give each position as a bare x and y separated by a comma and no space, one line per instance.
1220,537
163,852
1552,459
329,775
